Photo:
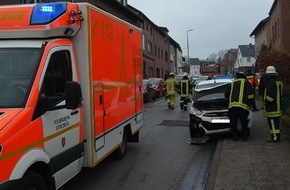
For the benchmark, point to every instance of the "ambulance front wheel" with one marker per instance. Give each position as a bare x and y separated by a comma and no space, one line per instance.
119,153
32,180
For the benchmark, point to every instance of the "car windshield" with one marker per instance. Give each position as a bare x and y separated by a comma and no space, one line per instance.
145,81
155,80
18,67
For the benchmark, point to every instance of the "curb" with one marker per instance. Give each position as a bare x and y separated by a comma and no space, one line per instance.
210,181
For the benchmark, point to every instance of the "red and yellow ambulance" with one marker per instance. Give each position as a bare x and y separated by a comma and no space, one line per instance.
70,91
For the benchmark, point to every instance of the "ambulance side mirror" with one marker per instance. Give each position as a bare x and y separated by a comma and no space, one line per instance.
73,95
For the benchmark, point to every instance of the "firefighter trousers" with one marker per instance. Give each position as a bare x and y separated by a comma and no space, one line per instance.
184,103
274,125
236,114
170,101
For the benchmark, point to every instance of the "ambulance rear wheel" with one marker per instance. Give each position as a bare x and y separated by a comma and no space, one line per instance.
119,153
32,181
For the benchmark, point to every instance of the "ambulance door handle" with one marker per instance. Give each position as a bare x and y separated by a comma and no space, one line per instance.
74,112
101,99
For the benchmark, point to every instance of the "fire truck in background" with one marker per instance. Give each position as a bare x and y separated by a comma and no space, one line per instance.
70,91
210,69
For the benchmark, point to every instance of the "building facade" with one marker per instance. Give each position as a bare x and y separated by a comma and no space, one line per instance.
245,58
272,33
194,66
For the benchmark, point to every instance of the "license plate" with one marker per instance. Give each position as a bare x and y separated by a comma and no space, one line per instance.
220,121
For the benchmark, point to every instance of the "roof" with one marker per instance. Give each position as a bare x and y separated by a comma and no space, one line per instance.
247,50
233,50
273,6
259,26
194,61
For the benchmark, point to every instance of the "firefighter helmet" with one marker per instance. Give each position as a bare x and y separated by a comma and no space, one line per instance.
271,70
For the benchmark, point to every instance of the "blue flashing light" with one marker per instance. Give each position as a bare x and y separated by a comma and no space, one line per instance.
48,12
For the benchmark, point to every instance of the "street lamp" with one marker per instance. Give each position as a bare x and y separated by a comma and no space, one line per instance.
188,46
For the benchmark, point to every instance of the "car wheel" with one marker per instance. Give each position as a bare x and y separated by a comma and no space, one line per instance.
32,180
119,153
154,96
195,130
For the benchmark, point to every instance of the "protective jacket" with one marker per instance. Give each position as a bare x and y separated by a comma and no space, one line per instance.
273,98
185,88
262,84
240,94
170,86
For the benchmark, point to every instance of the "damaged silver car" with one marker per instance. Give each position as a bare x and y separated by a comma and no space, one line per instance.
209,110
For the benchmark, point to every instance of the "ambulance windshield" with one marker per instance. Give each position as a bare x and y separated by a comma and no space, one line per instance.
18,68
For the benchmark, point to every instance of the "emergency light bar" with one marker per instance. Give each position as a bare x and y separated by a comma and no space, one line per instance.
47,12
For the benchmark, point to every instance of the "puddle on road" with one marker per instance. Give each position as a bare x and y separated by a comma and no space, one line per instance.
174,123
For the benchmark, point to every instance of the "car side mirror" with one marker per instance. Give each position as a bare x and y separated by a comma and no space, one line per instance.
73,95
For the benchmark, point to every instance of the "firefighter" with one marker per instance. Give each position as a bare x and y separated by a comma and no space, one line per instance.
240,95
254,82
184,91
272,103
170,90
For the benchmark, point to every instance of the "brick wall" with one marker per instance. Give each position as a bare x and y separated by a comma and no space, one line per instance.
285,20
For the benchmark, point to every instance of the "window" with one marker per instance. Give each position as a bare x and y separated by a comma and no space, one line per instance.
58,72
143,42
248,59
18,69
149,47
166,56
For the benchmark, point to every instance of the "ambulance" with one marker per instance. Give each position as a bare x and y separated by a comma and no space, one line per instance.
70,91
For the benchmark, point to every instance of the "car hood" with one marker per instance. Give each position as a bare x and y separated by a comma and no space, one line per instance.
6,115
214,101
206,91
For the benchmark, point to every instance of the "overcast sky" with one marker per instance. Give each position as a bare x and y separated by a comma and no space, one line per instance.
217,24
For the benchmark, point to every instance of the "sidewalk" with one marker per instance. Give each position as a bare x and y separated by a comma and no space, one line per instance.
254,164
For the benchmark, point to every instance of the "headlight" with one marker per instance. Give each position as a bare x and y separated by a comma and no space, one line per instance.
195,111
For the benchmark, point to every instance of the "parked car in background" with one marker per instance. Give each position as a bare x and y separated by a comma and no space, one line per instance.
178,77
209,111
223,76
200,78
193,78
149,90
159,86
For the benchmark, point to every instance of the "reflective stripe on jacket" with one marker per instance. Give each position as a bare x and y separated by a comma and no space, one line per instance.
184,88
273,98
241,94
